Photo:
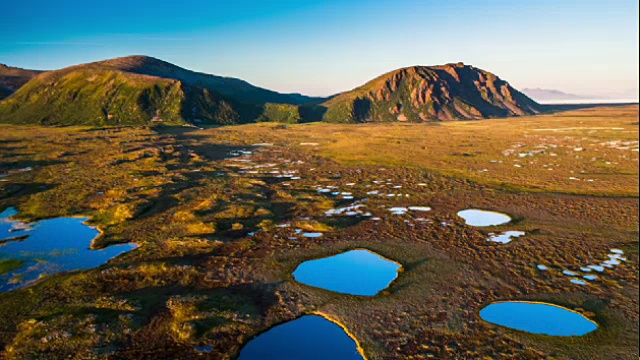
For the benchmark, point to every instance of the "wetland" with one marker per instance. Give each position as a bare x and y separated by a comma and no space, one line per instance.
223,224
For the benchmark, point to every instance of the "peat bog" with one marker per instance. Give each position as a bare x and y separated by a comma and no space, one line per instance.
223,217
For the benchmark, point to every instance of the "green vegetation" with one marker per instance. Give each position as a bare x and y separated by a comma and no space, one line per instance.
592,144
7,265
109,97
282,113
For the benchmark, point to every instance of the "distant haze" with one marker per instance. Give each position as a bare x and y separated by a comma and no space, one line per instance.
551,96
321,47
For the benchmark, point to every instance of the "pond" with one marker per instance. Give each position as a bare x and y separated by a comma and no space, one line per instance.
475,217
356,272
310,337
538,318
505,237
48,247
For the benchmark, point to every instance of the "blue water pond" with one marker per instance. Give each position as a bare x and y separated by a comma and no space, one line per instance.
355,272
48,247
310,337
475,217
538,318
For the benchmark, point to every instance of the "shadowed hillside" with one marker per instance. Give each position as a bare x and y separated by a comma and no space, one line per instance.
12,78
227,86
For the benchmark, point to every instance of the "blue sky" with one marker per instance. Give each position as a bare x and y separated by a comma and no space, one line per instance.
323,47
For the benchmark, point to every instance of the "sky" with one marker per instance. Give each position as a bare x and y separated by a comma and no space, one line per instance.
324,47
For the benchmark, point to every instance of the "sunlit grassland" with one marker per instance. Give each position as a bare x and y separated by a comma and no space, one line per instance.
591,151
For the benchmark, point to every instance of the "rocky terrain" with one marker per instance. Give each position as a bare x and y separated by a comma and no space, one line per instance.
428,93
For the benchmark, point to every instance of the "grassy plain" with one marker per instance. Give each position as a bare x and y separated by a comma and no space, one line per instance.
213,268
598,147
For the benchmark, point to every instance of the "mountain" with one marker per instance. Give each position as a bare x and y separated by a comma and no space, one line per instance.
227,86
430,93
543,95
141,90
12,78
138,90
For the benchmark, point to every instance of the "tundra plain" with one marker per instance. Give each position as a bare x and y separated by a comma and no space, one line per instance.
216,214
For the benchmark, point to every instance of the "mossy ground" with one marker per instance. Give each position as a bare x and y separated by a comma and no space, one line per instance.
199,277
7,265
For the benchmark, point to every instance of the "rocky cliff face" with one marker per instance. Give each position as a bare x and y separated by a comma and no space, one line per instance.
430,93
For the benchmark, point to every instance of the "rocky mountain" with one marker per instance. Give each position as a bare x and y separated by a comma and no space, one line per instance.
138,90
430,93
12,78
142,90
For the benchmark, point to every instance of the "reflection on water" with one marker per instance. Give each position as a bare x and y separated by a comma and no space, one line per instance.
48,247
475,217
310,337
355,272
537,318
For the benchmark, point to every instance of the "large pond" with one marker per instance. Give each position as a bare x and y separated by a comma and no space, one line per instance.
310,337
355,272
538,318
475,217
29,251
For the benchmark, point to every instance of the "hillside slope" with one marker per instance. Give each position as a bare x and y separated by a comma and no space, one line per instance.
141,90
430,93
227,86
137,90
12,78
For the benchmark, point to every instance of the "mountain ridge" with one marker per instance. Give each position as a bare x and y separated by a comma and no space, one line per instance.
141,89
137,90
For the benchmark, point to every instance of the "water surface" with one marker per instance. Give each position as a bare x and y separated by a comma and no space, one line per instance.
538,318
48,247
505,237
475,217
310,337
355,272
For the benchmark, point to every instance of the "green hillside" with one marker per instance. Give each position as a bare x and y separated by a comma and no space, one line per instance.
109,97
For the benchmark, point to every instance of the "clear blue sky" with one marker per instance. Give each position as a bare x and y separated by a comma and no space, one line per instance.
323,47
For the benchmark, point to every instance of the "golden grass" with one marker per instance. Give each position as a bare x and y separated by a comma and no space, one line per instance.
204,274
577,144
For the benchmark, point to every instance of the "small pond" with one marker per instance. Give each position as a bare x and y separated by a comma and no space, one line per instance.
355,272
538,318
505,237
475,217
310,337
48,247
